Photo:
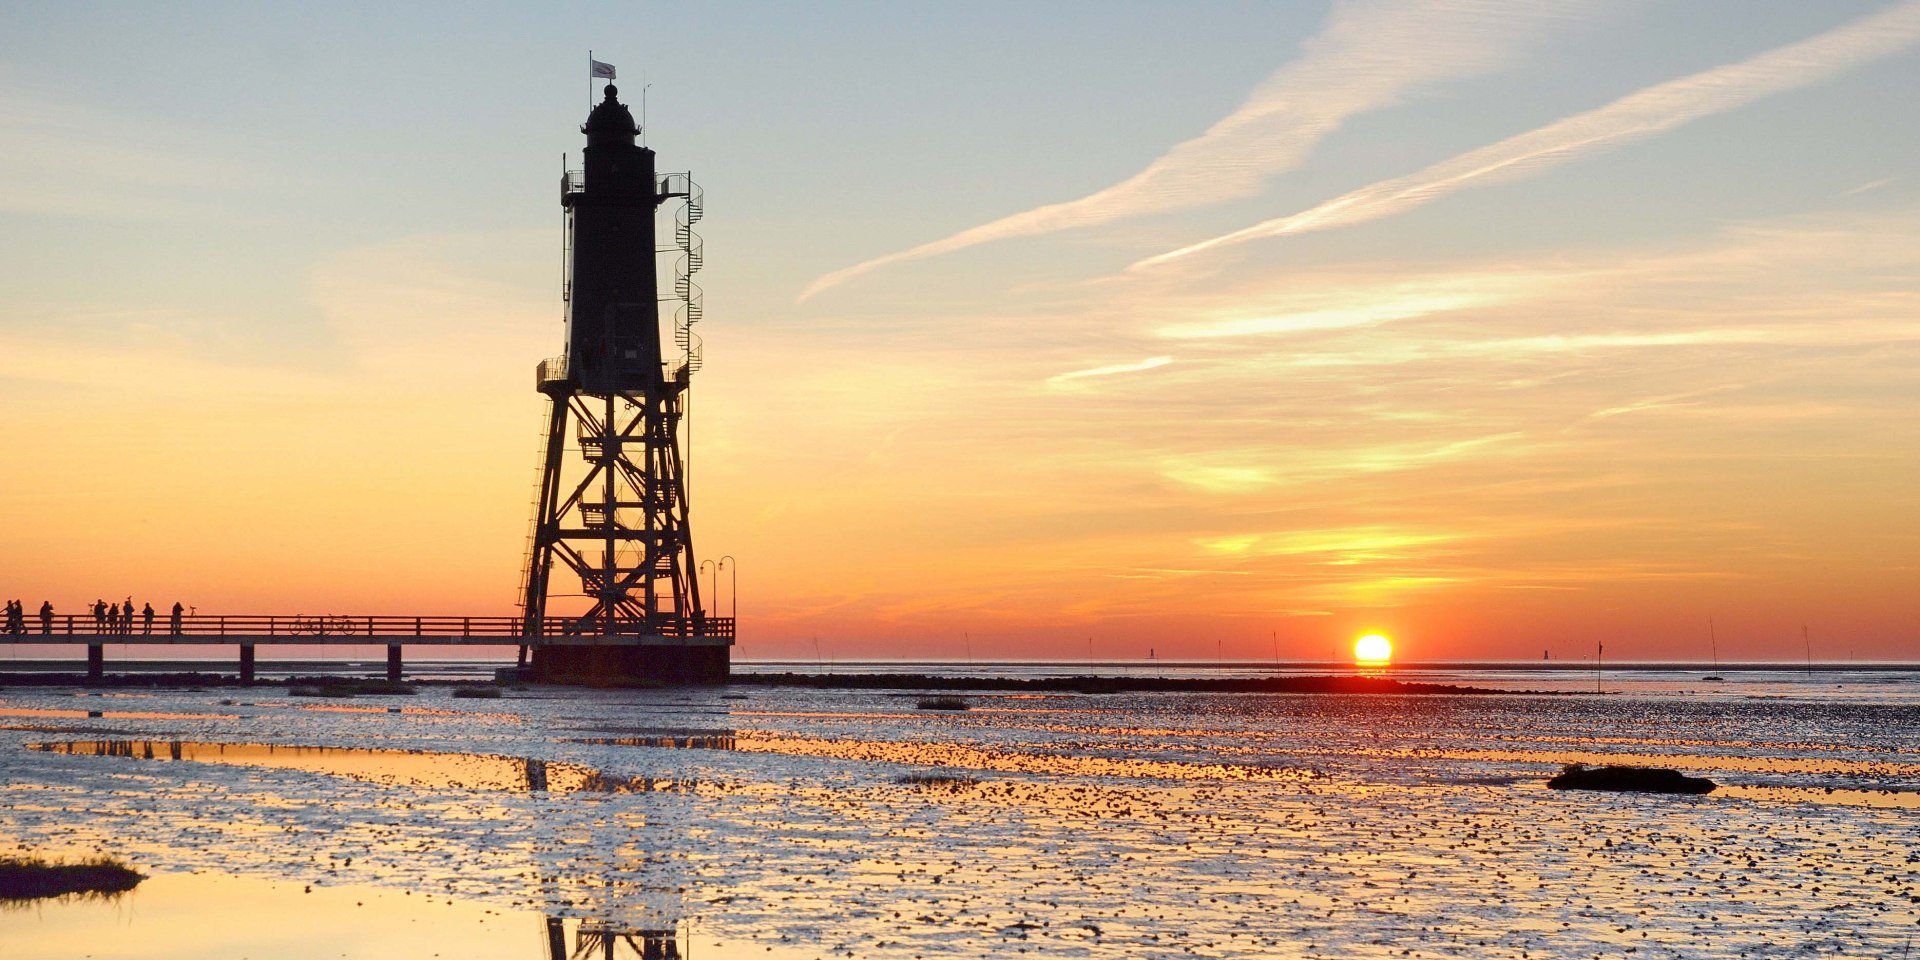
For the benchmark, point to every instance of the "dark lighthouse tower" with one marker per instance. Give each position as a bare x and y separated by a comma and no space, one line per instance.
611,513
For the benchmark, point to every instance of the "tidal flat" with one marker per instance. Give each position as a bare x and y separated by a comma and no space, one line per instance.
786,822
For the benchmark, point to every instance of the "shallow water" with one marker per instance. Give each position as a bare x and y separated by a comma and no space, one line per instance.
244,916
1225,825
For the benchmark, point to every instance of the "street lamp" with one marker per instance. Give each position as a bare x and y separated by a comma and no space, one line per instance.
704,564
733,588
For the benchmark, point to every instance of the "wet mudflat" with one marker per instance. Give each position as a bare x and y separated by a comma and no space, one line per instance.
829,823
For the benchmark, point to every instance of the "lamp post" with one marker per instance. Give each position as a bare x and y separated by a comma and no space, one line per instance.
704,564
733,588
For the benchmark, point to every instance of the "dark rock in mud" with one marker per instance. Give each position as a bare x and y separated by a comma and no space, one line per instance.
1575,776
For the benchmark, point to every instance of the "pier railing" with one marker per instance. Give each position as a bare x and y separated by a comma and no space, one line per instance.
381,629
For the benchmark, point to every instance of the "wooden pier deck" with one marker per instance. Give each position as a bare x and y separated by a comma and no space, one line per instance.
250,632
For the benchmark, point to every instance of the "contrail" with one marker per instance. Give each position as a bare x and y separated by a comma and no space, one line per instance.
1369,55
1636,116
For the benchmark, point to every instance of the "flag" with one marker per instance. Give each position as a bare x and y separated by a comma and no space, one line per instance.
599,70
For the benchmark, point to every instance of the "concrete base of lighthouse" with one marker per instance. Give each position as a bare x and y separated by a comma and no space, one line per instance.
613,663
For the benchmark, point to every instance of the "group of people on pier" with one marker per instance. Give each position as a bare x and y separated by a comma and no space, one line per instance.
108,619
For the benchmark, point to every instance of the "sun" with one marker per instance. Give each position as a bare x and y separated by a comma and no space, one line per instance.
1372,649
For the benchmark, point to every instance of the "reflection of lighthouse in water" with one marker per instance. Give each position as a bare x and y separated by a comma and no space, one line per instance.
606,940
631,905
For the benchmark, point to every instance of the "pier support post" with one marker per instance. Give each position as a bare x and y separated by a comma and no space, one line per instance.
96,662
246,663
393,662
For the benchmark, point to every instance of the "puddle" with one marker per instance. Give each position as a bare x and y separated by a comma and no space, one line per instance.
1702,761
1845,796
962,756
1264,733
404,711
111,714
400,768
61,729
670,739
213,915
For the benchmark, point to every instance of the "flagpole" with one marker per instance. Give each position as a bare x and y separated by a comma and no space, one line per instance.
589,78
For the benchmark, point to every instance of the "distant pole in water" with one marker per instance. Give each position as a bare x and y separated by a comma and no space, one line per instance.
968,636
1276,648
1599,653
1219,650
1808,639
1713,644
1089,648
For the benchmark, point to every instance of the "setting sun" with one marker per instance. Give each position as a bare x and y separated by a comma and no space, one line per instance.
1372,648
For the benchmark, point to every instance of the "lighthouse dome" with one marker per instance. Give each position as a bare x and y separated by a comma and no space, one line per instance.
610,122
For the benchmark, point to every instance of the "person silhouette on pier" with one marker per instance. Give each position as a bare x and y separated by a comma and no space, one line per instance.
126,617
13,617
146,616
113,619
174,622
99,616
46,616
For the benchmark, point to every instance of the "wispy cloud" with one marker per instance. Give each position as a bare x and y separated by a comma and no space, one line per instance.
1687,398
1346,546
1868,187
1109,370
1382,302
1243,472
1634,117
1371,54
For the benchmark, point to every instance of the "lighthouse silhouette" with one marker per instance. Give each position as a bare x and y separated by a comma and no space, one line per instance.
609,592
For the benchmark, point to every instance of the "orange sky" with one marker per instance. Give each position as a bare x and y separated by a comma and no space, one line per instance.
1574,405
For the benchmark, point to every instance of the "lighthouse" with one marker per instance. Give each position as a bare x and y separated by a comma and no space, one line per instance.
608,589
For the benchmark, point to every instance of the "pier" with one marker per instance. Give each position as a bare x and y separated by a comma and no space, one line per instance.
651,648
